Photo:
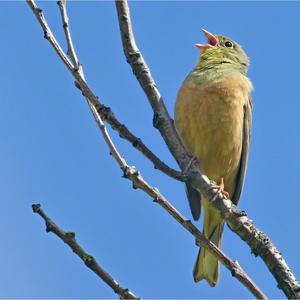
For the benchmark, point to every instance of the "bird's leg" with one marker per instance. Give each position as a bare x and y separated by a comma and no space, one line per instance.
219,190
193,159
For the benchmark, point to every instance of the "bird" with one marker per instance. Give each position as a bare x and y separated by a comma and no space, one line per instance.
213,118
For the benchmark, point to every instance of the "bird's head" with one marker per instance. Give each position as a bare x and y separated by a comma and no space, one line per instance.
222,50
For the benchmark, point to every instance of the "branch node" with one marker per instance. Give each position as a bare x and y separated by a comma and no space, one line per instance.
77,85
49,226
104,111
156,191
136,142
70,235
126,171
156,199
46,35
88,259
36,208
236,268
134,186
237,212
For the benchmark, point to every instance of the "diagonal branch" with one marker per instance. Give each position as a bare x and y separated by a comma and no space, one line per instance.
108,116
259,243
138,182
105,112
89,260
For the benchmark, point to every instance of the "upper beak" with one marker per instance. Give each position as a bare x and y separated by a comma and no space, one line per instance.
211,39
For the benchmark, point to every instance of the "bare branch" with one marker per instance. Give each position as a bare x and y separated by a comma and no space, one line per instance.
138,182
71,51
108,116
89,260
48,35
161,119
259,243
105,112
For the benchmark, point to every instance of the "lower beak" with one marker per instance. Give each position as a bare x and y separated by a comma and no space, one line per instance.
203,47
211,39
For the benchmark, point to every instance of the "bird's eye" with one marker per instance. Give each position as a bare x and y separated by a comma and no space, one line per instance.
228,44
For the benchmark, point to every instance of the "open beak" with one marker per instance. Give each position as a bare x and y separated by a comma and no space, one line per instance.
211,39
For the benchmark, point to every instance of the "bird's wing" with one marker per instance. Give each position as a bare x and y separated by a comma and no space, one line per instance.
245,149
194,198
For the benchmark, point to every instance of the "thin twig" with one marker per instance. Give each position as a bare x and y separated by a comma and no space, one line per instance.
259,243
71,50
138,182
89,260
104,111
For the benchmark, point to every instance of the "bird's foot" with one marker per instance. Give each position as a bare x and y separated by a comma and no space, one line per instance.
219,190
193,159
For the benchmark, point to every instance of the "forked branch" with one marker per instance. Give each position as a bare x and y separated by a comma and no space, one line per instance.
105,112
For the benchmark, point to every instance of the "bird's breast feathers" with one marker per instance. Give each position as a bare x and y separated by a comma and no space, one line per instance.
210,119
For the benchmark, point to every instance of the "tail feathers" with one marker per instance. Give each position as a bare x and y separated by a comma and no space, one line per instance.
207,265
194,198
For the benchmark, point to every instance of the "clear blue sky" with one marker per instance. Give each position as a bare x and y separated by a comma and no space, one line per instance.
52,152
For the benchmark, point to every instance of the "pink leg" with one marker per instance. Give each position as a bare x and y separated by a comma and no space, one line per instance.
219,189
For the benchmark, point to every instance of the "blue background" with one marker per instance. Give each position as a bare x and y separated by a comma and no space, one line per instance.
51,151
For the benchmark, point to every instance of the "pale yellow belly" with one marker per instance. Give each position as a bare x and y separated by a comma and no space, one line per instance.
210,123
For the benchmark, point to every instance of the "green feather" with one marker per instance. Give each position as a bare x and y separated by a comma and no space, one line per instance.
218,62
